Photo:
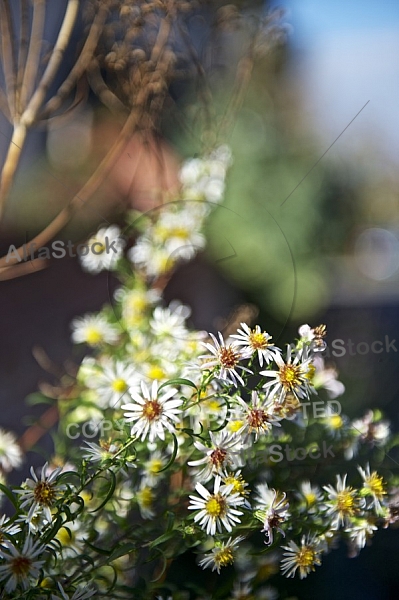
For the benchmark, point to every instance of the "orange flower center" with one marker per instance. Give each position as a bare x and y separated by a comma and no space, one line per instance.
151,410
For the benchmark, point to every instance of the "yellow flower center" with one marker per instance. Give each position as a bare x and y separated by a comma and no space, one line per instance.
145,497
310,498
224,557
258,340
119,385
93,336
155,466
311,372
64,538
235,426
155,372
44,493
345,502
152,410
215,506
306,557
336,421
290,376
238,484
376,484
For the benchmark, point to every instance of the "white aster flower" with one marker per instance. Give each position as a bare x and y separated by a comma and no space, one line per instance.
178,231
374,486
21,567
72,538
292,376
216,509
170,321
224,453
312,496
343,503
41,493
153,413
258,416
93,330
271,508
326,378
304,557
7,530
113,382
256,341
104,250
105,450
152,468
360,533
221,555
145,499
136,303
10,452
225,358
152,259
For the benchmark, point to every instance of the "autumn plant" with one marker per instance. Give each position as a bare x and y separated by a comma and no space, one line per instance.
183,473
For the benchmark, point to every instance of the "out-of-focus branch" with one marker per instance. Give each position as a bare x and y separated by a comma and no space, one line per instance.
8,55
30,113
23,50
31,65
81,64
102,91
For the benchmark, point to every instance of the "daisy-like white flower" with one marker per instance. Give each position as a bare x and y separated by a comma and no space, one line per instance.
217,509
271,508
239,485
304,557
72,538
225,358
313,336
326,378
7,530
153,413
291,377
224,452
259,415
360,533
374,486
178,231
93,330
152,468
105,450
36,522
222,554
150,258
343,503
310,495
256,341
10,452
41,493
145,499
136,303
113,382
170,321
104,250
20,567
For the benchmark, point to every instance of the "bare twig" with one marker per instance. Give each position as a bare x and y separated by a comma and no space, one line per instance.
30,113
23,51
81,64
32,63
8,55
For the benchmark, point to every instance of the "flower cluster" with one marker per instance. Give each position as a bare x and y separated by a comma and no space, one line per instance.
184,462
